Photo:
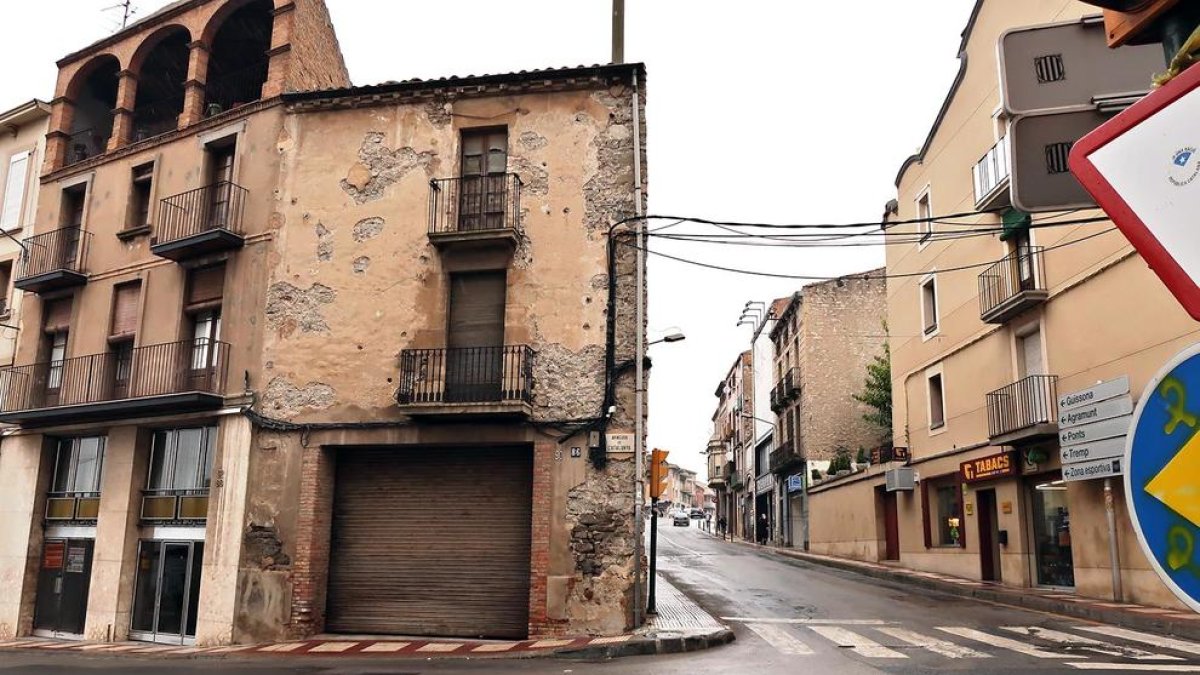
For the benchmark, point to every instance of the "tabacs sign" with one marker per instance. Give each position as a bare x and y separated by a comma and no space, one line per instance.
1001,465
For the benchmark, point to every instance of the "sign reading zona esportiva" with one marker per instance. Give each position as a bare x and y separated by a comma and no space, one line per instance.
1000,465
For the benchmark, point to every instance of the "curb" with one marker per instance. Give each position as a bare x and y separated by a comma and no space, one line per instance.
1012,597
676,644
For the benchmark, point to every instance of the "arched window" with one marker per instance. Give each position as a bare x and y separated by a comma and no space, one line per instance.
94,95
162,71
238,60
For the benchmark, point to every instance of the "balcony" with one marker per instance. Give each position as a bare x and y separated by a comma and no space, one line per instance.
991,177
777,401
785,456
199,222
162,379
72,506
53,261
174,506
489,381
475,212
790,385
1013,285
83,145
1024,411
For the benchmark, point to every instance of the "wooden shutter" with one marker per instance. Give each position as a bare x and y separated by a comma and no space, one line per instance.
14,190
125,309
477,309
56,315
206,285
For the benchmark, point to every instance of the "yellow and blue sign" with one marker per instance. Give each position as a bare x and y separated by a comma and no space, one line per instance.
1162,478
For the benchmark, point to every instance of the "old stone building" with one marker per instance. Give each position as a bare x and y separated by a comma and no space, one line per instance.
731,448
825,336
281,327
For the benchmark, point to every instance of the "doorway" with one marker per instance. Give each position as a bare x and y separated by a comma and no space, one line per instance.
891,527
64,576
989,536
167,591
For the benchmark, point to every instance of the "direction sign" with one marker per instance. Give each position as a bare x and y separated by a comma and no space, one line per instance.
1114,407
1143,167
1163,460
1096,431
1104,468
1090,452
1100,392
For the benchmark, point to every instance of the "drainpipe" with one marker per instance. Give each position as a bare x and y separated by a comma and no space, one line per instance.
1113,556
640,376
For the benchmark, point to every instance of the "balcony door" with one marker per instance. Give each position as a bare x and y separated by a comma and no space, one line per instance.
475,358
483,189
1032,398
220,180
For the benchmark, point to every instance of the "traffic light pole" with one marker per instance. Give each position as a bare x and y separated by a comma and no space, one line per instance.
653,555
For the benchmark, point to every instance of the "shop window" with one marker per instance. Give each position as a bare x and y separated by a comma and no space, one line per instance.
1052,533
75,488
946,512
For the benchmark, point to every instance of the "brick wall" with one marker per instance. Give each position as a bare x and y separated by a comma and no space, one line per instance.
311,568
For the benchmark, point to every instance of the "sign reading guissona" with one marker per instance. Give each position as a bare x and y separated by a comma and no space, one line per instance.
1000,465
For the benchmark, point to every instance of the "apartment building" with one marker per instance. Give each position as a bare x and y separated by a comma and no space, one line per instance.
259,298
826,335
22,147
981,353
731,448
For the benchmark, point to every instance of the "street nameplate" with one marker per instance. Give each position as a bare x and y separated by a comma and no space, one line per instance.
620,442
1096,431
1103,468
1094,413
795,483
1090,452
1096,394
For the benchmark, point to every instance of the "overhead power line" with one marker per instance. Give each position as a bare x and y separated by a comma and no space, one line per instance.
825,226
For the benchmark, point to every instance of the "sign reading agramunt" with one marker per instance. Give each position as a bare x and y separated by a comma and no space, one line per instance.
1000,465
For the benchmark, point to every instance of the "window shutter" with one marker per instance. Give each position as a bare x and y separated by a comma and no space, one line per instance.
206,285
125,309
477,309
56,315
926,526
14,190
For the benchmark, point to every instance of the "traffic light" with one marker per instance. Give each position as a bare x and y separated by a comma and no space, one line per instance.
1132,21
658,473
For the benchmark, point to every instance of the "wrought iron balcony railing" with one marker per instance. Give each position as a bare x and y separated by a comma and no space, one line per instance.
213,207
148,371
475,204
790,385
63,250
1027,404
72,505
468,375
1012,285
174,505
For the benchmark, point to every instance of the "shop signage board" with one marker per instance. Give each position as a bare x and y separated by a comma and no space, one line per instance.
1000,465
1096,431
1114,407
1101,468
764,483
1090,452
1100,392
1143,168
1162,458
795,483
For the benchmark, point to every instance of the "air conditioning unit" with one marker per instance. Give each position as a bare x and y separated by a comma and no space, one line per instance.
903,478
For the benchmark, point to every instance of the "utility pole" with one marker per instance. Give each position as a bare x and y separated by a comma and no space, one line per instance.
618,31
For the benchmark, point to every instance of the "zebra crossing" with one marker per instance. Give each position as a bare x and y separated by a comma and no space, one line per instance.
1083,647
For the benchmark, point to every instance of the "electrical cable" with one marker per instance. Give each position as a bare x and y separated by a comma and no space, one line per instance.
879,224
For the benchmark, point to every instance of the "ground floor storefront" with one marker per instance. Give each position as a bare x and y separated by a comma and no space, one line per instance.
989,513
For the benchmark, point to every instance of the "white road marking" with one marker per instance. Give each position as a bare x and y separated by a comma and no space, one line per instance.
947,649
1003,642
1144,638
1137,667
811,622
676,544
780,639
857,643
1087,643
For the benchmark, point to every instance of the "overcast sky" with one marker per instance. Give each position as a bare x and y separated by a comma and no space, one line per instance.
759,110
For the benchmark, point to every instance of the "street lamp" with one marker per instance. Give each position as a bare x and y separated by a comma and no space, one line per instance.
674,335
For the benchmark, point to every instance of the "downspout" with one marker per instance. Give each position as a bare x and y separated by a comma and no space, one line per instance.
640,377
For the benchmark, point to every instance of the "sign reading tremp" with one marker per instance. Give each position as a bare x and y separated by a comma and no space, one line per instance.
1162,462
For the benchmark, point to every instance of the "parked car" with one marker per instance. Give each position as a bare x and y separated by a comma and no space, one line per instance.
680,519
696,514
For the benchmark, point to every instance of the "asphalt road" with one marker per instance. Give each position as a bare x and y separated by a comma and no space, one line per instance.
789,617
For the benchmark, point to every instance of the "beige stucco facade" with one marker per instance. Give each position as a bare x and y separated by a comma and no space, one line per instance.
277,330
1093,311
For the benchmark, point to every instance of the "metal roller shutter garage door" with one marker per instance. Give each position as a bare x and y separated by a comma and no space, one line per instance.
431,541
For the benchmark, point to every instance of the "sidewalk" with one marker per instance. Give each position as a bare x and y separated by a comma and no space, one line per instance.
681,625
1181,623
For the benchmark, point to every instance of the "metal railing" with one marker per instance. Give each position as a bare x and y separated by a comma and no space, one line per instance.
154,119
64,249
991,171
174,505
475,203
234,88
777,401
213,207
466,375
152,370
86,144
72,505
783,455
1016,273
1025,403
790,384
